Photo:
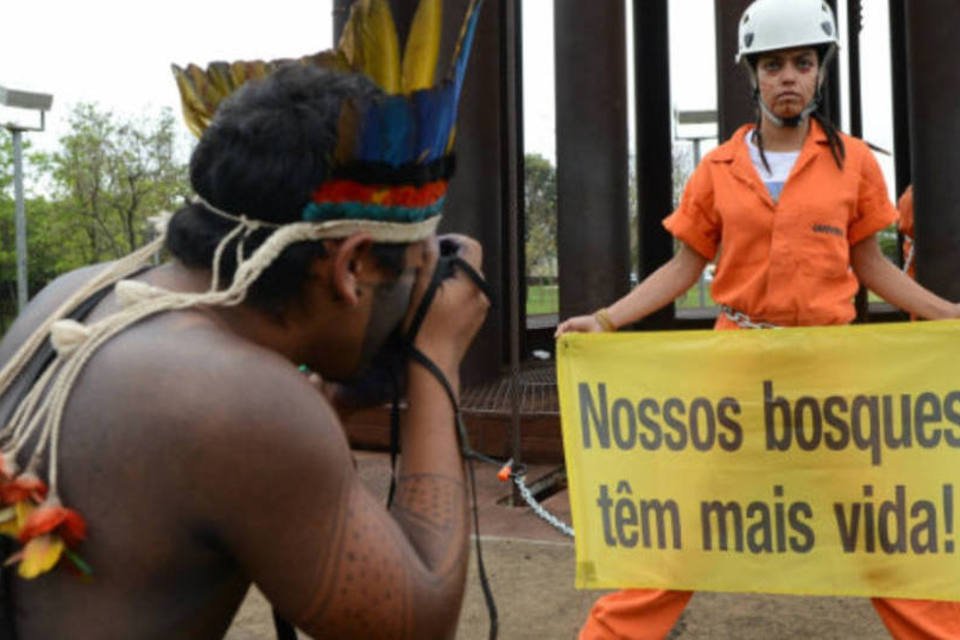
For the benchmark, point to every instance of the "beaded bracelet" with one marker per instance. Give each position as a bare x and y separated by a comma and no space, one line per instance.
603,319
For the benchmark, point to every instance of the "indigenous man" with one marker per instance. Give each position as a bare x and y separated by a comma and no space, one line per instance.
167,442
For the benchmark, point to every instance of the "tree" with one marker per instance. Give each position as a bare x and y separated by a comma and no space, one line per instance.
682,167
540,205
94,195
111,175
540,202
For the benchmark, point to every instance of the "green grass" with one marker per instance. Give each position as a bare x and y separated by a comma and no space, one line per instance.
691,299
542,299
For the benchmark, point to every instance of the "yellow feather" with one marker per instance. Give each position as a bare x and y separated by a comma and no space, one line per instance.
451,138
9,525
370,44
206,88
238,73
423,46
40,555
194,111
219,77
347,127
349,43
202,91
333,59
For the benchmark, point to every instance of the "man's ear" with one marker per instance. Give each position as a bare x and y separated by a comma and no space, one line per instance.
349,260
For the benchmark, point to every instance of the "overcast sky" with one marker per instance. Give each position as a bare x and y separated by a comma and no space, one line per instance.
118,54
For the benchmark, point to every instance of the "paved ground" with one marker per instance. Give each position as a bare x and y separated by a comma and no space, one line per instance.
531,572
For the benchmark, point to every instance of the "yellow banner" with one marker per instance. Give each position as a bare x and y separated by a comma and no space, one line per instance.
808,461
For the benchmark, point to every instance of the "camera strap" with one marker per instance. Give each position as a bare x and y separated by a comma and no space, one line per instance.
446,265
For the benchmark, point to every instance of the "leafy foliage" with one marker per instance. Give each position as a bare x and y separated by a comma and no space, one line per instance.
110,176
540,206
93,195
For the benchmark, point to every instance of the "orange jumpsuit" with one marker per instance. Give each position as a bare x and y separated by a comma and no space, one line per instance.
786,263
905,226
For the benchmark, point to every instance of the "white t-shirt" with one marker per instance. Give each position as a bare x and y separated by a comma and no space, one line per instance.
781,162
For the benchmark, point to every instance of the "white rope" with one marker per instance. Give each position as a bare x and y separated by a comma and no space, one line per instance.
111,274
40,413
232,216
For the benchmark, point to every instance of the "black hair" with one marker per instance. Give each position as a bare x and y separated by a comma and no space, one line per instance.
834,141
268,147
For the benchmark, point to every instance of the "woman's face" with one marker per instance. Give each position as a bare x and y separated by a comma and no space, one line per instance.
787,80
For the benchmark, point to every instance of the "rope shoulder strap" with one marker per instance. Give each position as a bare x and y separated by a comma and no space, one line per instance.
31,370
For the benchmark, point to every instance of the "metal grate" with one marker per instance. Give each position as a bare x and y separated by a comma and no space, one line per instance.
536,393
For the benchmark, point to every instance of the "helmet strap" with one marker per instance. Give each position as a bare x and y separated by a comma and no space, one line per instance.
793,121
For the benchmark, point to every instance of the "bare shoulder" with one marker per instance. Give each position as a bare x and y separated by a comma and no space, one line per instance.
188,450
43,304
257,462
214,390
178,406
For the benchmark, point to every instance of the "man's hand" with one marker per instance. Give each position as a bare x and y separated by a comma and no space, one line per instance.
458,307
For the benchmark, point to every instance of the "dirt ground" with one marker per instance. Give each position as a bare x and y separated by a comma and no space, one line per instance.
531,572
532,582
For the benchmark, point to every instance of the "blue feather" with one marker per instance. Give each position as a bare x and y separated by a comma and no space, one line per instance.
402,129
368,148
459,69
397,127
432,128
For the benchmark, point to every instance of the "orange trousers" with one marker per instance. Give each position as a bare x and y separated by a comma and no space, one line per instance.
649,614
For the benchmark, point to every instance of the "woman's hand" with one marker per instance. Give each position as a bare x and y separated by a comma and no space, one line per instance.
657,290
578,324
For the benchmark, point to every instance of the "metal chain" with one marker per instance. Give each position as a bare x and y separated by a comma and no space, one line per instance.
744,321
908,261
539,509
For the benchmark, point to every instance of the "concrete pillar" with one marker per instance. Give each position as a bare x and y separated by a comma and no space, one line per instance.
591,96
934,95
654,144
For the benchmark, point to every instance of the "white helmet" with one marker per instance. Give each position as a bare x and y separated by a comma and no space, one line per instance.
770,25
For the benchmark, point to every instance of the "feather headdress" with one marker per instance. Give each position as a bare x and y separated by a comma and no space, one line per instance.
392,159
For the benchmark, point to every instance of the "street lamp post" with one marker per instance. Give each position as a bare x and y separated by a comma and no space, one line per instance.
34,102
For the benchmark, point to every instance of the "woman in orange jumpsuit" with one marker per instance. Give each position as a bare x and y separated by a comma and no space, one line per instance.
794,204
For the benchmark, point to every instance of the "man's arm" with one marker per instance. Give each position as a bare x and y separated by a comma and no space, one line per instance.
295,515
